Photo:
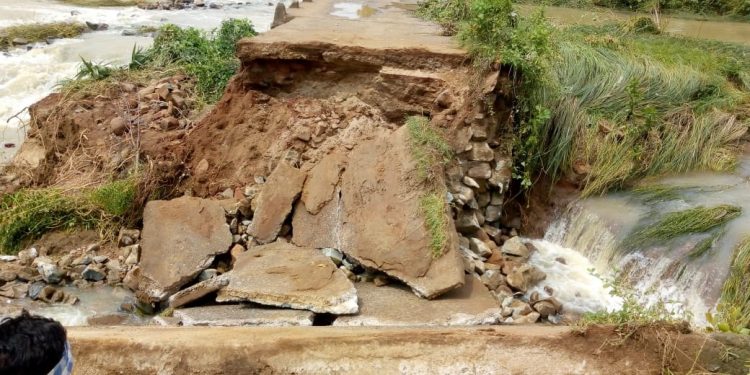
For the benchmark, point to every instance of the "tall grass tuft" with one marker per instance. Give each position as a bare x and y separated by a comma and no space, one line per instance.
695,220
733,311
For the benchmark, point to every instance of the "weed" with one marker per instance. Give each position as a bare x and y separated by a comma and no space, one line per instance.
733,311
116,198
37,32
95,71
428,147
433,210
656,193
695,220
705,245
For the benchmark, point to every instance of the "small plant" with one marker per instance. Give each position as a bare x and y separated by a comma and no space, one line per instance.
93,71
428,147
695,220
138,58
433,209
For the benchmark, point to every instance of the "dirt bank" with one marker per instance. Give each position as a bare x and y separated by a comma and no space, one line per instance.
496,350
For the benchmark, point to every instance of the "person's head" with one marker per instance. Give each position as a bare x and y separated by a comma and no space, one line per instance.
30,344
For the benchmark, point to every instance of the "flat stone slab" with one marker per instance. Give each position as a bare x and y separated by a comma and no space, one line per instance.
282,274
377,218
243,315
180,239
394,305
197,291
274,203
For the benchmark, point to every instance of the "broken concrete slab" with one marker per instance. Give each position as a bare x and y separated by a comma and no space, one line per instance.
322,180
180,239
378,221
395,305
243,315
274,203
282,274
197,291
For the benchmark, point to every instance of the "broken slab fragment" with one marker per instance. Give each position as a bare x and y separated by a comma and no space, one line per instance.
321,181
281,274
377,218
395,305
274,203
180,239
197,291
243,315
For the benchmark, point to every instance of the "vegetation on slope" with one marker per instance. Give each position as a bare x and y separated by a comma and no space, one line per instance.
37,32
207,57
430,152
610,104
734,9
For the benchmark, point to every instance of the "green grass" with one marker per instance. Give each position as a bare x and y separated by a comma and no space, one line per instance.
733,311
28,214
632,313
656,193
705,245
433,210
208,57
728,9
428,147
37,32
695,220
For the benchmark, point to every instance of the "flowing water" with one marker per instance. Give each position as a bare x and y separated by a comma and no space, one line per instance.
101,300
28,75
688,284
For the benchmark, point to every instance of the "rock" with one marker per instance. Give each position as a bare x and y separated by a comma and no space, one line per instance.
493,279
395,305
334,255
444,99
470,182
50,272
82,260
114,319
516,248
524,277
8,258
118,126
27,256
467,222
493,213
97,26
35,289
197,291
14,289
180,239
243,315
478,133
8,276
281,274
20,41
376,218
207,274
93,273
479,170
530,318
214,6
128,237
321,182
100,259
236,251
381,280
274,202
479,248
547,307
134,253
481,151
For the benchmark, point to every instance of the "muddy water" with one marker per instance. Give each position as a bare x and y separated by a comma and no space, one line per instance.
732,32
664,272
27,76
102,300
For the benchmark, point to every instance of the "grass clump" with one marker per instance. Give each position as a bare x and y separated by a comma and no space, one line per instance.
28,214
705,245
656,193
733,311
38,32
430,152
428,147
103,3
433,210
207,57
695,220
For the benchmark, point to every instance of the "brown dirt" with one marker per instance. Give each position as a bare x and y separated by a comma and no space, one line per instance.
490,350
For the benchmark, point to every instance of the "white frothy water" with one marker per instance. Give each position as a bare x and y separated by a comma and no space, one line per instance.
28,76
93,301
572,279
347,10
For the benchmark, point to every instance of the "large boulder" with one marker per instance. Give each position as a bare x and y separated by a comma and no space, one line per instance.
394,305
281,274
377,219
180,239
275,202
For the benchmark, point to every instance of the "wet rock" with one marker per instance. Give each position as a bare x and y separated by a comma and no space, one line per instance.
493,279
197,291
515,247
180,239
35,289
281,274
97,26
93,273
50,272
547,307
274,202
524,277
243,315
395,305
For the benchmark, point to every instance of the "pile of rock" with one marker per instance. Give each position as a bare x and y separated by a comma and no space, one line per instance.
161,106
182,4
41,277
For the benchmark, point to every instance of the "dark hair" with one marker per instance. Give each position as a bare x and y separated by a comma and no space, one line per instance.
30,345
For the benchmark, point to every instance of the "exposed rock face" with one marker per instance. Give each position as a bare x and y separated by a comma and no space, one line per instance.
180,239
322,181
390,305
275,202
281,274
243,315
377,220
